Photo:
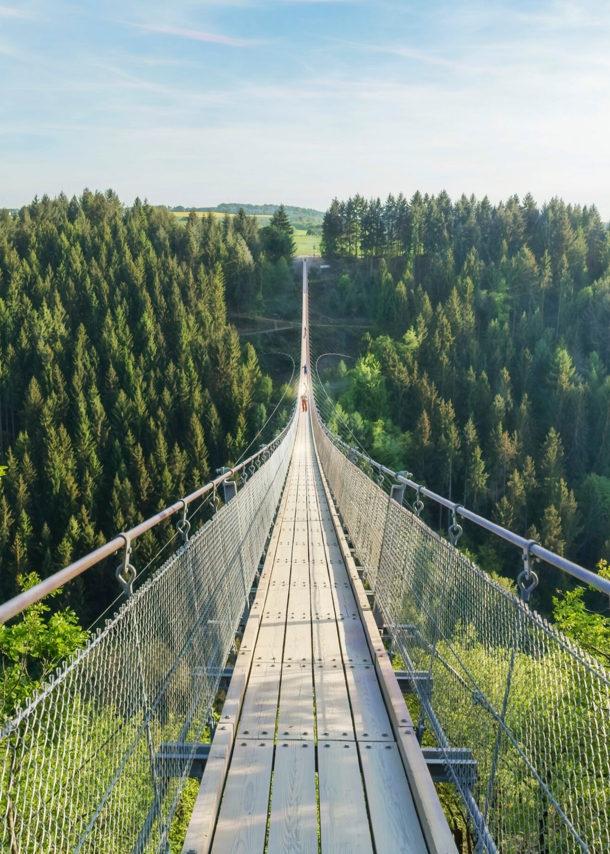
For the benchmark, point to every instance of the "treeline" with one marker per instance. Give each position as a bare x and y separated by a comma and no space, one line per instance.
297,215
490,380
122,385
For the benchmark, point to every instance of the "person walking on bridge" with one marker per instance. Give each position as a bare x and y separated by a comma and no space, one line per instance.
304,402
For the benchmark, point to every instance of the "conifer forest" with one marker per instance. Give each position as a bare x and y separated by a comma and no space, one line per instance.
485,371
122,384
480,362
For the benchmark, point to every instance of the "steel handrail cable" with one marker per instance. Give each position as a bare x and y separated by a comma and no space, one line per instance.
22,601
573,569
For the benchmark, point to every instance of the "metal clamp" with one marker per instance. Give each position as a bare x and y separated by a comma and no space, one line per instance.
527,580
215,500
126,573
455,530
418,504
183,526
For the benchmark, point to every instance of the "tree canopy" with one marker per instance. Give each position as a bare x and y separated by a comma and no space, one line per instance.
486,372
122,384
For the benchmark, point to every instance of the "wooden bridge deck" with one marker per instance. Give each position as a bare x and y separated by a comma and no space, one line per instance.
314,754
315,751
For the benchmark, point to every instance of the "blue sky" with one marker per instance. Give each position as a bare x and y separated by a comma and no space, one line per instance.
202,102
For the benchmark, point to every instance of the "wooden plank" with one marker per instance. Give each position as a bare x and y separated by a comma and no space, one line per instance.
296,703
248,640
433,821
394,821
283,559
293,826
344,600
298,645
353,641
242,823
201,826
270,641
371,720
234,696
299,585
326,646
343,821
259,710
322,601
395,702
333,713
277,597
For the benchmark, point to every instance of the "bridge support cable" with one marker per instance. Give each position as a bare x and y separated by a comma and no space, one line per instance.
529,705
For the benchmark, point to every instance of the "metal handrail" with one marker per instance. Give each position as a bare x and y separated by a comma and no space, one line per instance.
533,548
29,597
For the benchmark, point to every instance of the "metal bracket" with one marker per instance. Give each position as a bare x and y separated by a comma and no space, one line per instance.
126,573
418,504
409,681
230,490
229,486
527,580
183,526
215,500
225,674
397,492
172,756
440,761
455,530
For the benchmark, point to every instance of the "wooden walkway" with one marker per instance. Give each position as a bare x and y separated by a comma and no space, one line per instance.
315,750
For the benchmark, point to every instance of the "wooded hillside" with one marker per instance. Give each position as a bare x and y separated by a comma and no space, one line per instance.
487,375
121,383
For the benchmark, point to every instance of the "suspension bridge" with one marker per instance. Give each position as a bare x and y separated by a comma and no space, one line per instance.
293,606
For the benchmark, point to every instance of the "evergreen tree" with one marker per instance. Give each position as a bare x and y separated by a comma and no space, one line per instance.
120,376
500,316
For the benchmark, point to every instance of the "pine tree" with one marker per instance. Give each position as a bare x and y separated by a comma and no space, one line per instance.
281,221
552,535
477,477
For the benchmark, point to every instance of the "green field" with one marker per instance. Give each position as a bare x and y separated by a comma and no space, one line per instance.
306,242
183,216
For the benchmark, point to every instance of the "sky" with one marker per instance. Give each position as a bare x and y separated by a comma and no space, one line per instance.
198,102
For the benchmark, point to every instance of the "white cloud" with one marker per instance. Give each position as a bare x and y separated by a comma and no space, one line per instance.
197,35
11,12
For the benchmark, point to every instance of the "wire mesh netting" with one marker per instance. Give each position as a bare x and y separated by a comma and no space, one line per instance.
532,707
79,766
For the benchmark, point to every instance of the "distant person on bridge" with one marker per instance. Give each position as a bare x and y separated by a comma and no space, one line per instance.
305,369
303,402
305,332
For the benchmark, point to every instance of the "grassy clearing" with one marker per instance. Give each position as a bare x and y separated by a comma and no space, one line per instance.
184,215
306,242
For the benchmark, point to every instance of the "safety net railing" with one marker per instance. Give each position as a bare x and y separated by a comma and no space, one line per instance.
80,765
491,675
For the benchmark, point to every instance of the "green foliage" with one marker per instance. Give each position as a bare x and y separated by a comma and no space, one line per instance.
122,385
33,646
277,237
590,630
491,358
